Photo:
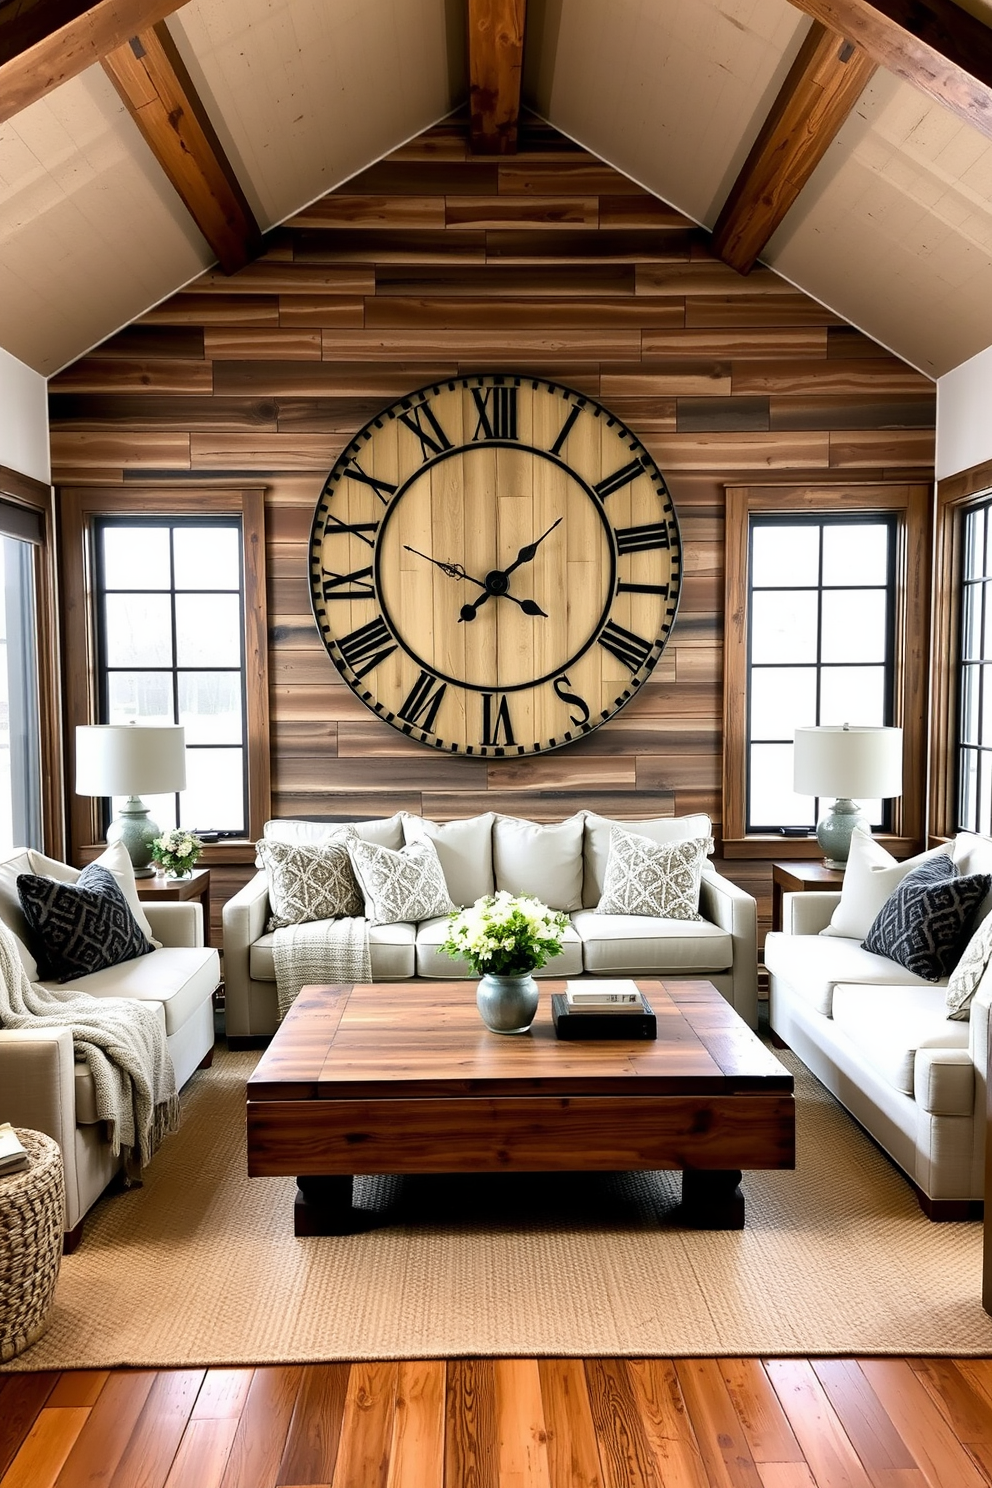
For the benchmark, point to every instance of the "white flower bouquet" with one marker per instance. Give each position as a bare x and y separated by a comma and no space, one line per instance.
177,850
505,934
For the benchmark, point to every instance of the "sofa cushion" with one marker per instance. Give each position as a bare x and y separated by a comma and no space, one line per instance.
11,867
310,881
178,978
387,831
545,861
644,945
430,962
652,878
888,1024
465,851
965,977
813,966
79,928
925,923
391,948
596,844
870,877
972,853
402,886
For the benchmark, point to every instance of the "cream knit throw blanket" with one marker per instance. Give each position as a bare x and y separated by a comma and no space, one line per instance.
123,1042
318,953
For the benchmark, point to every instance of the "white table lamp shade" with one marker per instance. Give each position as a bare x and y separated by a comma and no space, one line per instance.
130,759
864,764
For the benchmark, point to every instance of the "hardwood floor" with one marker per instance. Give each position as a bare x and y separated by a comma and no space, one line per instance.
506,1423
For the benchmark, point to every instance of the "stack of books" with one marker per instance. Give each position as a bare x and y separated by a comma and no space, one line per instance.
13,1157
614,1009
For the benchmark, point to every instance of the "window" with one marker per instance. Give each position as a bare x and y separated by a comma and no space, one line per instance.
821,593
826,619
170,648
165,620
974,752
20,734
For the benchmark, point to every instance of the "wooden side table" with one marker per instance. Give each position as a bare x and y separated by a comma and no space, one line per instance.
163,889
796,878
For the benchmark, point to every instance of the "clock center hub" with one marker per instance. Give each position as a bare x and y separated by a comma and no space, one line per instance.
497,582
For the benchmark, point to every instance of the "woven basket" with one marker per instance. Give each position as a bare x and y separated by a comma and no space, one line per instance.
32,1212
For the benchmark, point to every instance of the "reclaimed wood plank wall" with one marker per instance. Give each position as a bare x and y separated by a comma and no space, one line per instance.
433,263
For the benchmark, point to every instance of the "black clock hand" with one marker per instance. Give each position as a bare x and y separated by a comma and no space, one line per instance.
526,554
529,606
453,570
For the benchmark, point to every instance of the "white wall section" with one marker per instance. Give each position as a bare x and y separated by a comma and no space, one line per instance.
964,415
23,419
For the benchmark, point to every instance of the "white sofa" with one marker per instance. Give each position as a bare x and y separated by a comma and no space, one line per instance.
564,867
880,1040
41,1085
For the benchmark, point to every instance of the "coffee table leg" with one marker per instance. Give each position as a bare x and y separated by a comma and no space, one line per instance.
712,1199
323,1206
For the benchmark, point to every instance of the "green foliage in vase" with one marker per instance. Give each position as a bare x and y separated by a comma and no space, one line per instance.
505,934
176,850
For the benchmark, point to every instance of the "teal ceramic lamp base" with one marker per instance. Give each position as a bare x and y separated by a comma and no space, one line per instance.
132,827
833,833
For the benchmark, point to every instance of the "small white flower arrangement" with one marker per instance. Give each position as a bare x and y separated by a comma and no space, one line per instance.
505,934
177,851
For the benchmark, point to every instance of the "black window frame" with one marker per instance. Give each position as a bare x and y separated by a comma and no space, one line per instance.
982,662
820,520
171,523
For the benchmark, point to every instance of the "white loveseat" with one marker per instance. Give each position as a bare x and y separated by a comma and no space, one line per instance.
880,1040
562,865
41,1085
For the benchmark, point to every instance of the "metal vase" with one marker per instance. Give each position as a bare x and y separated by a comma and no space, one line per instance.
507,1004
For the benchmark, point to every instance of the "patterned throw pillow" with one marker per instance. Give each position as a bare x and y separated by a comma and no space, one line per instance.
969,972
404,886
311,882
653,878
82,927
924,922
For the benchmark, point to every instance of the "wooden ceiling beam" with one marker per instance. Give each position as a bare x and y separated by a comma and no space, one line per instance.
495,65
932,44
823,85
157,91
46,42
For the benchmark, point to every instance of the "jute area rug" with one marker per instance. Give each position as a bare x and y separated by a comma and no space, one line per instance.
200,1265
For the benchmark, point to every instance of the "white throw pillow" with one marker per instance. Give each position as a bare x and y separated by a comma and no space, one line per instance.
386,830
870,877
465,851
402,887
969,971
311,882
545,861
971,853
117,860
660,879
658,829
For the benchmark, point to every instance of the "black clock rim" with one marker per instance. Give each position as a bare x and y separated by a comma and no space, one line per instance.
400,492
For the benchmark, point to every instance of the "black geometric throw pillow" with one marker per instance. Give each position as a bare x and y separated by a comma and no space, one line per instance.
80,927
925,922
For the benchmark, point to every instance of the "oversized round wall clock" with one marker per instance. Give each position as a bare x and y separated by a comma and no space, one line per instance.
495,565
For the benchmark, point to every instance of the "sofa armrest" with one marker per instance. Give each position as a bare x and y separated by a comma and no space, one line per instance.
38,1089
244,918
723,903
808,914
944,1082
176,924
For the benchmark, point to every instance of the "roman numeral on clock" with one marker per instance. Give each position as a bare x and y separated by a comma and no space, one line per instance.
496,726
565,430
334,584
641,539
365,647
619,478
633,650
358,528
433,442
423,701
355,471
497,410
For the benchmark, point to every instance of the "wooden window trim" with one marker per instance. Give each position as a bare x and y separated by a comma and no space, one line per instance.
23,490
955,494
912,502
78,510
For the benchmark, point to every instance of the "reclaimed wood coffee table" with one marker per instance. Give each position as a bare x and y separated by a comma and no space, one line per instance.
405,1078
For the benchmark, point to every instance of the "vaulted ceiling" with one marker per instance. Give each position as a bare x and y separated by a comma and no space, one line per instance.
877,195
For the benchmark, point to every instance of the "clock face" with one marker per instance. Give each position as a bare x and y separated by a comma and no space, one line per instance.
495,565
